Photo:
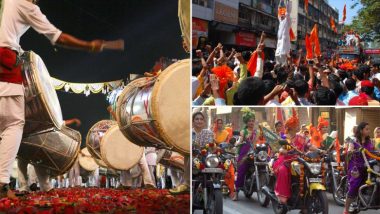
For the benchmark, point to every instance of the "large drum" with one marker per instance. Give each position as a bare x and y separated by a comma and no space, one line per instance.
107,141
55,150
86,161
42,108
155,111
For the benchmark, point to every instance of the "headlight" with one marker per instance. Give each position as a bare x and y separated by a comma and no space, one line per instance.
228,162
315,168
196,161
212,161
262,156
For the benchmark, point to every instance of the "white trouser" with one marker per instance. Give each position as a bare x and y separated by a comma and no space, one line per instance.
26,175
175,176
126,178
74,175
12,122
152,170
93,178
41,173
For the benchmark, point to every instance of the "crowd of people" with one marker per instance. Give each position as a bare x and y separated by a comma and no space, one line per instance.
301,138
228,77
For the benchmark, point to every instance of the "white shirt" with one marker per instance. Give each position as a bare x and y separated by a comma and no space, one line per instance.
283,37
18,16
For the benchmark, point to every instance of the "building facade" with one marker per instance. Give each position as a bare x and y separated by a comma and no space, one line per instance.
239,23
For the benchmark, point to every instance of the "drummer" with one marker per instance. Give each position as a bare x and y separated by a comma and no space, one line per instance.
17,16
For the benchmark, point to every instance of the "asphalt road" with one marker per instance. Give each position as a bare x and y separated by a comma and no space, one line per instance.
251,206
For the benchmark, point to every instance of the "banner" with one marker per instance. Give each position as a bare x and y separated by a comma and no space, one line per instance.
245,39
86,88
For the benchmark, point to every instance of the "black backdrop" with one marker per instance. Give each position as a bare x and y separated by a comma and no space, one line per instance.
150,29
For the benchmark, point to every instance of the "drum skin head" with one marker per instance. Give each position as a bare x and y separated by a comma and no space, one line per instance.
48,93
170,105
86,161
117,151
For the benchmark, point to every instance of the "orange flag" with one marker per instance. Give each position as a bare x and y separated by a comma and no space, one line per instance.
309,50
306,6
337,149
315,40
344,13
332,23
316,137
252,63
291,34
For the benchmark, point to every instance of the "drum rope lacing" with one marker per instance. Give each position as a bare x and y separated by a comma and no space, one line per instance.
135,124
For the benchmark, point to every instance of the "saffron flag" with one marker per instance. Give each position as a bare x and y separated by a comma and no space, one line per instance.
306,6
344,13
252,63
309,50
316,137
315,40
332,23
291,34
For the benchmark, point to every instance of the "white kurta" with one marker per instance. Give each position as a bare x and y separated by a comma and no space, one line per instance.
283,37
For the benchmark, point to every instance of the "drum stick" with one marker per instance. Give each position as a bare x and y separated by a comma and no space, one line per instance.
117,45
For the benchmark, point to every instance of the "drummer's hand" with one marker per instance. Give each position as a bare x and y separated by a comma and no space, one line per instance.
77,122
96,46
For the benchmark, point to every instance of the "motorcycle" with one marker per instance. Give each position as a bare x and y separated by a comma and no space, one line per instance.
257,174
336,179
369,192
208,171
308,191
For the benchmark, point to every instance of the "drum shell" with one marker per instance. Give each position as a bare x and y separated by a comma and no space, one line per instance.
54,150
38,116
94,137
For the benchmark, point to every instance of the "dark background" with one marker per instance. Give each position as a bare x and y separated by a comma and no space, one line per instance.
150,29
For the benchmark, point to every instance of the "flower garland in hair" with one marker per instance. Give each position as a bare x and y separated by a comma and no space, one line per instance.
247,114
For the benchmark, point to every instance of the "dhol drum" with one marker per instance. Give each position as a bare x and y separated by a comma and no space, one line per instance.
86,162
106,140
42,108
56,150
155,111
171,159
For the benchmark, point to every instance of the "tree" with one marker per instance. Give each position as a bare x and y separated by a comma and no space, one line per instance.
367,22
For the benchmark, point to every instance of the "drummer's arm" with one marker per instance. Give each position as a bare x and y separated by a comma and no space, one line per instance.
70,42
71,121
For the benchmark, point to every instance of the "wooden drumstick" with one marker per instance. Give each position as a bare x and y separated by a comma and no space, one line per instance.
117,45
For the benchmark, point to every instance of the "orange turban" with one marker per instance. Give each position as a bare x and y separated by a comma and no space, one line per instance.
293,121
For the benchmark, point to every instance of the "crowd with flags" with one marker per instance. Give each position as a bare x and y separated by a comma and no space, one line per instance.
309,76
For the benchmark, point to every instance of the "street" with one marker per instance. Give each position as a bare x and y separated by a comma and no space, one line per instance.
251,206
